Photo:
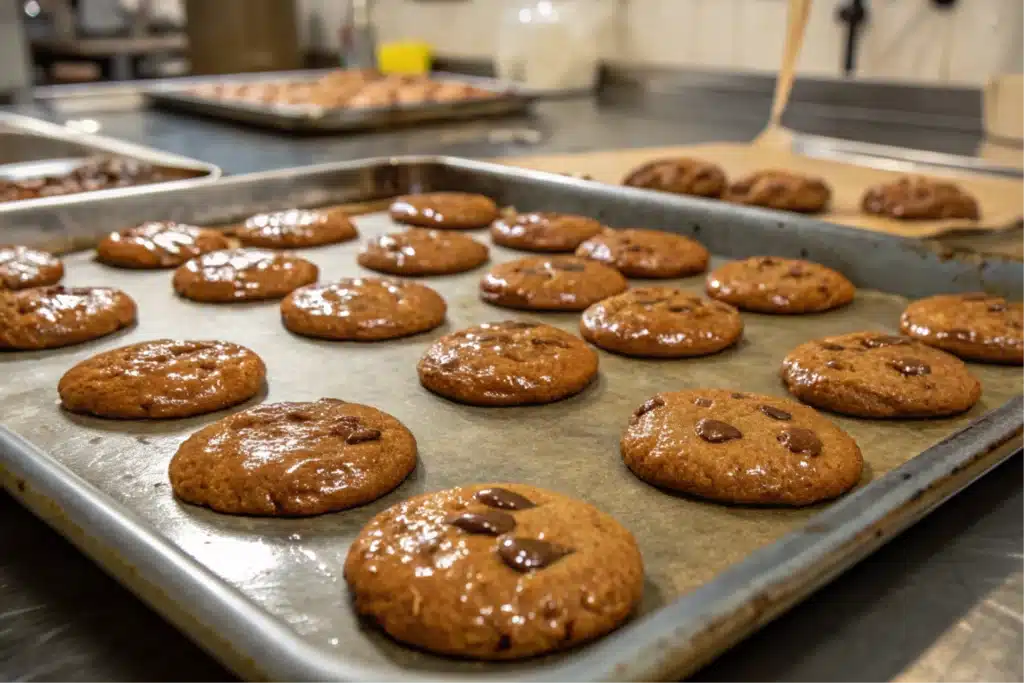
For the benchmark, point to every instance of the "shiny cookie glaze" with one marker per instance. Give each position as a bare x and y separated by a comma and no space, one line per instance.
679,175
550,283
920,198
242,275
50,317
158,244
782,190
544,231
646,253
22,267
770,284
446,210
296,228
974,326
419,251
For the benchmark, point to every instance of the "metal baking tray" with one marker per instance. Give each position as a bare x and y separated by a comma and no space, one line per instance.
309,119
267,597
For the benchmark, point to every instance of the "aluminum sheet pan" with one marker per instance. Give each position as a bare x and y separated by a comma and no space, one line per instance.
267,597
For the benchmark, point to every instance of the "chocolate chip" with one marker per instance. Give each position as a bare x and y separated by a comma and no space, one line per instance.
572,267
911,367
703,402
834,364
799,440
829,346
681,309
716,431
527,554
542,341
504,643
299,416
491,522
883,340
362,435
775,413
767,261
796,271
516,325
503,499
650,302
649,405
997,307
738,395
960,334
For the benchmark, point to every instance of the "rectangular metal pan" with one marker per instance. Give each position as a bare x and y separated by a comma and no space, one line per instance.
266,596
300,118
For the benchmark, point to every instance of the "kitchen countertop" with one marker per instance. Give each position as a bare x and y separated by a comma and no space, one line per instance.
943,602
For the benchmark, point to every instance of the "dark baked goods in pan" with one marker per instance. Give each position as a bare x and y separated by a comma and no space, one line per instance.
920,198
782,190
550,283
49,317
975,326
419,251
771,284
543,231
22,267
679,175
158,244
646,253
445,210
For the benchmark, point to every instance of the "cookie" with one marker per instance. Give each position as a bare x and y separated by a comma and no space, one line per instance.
869,374
508,363
646,253
550,283
769,284
740,448
22,267
164,378
543,231
419,251
242,275
494,571
782,190
158,244
917,198
50,317
363,309
975,326
291,459
679,176
661,322
449,210
296,228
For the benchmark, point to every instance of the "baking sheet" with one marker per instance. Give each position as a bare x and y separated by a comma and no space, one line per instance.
291,569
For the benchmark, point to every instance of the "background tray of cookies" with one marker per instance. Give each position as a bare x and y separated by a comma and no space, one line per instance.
266,595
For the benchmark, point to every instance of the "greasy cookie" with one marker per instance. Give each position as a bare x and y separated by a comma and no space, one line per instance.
22,267
242,275
451,210
769,284
646,253
158,244
679,176
296,228
49,317
543,231
555,283
419,251
975,326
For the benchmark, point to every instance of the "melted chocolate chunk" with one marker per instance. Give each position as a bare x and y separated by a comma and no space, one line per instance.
796,271
571,267
800,440
491,522
649,405
997,307
680,309
362,435
767,261
911,367
716,431
541,341
737,394
775,413
527,554
703,402
829,346
834,365
516,325
504,499
884,340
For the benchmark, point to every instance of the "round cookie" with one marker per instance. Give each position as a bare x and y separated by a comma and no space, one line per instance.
679,176
550,283
296,228
975,326
918,198
769,284
448,210
646,253
242,275
50,317
661,322
22,267
781,190
868,374
548,572
544,231
291,459
508,363
740,448
362,309
158,244
419,251
164,378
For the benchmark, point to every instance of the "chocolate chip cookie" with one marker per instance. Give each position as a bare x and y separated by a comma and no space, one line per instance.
918,198
646,253
546,572
50,317
419,251
242,275
508,363
162,379
363,309
296,228
447,210
661,322
783,190
22,267
869,374
740,448
550,283
543,231
975,326
770,284
679,176
291,459
158,244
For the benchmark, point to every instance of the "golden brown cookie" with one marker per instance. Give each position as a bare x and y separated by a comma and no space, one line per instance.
546,572
679,176
158,244
22,267
291,459
769,284
869,374
508,363
419,251
543,231
363,309
661,322
918,198
50,317
447,210
296,228
737,447
783,190
975,326
646,253
550,283
242,275
164,378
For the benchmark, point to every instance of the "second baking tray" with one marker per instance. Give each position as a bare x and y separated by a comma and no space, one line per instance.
267,597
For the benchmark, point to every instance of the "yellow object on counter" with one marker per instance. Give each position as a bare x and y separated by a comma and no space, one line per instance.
404,58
